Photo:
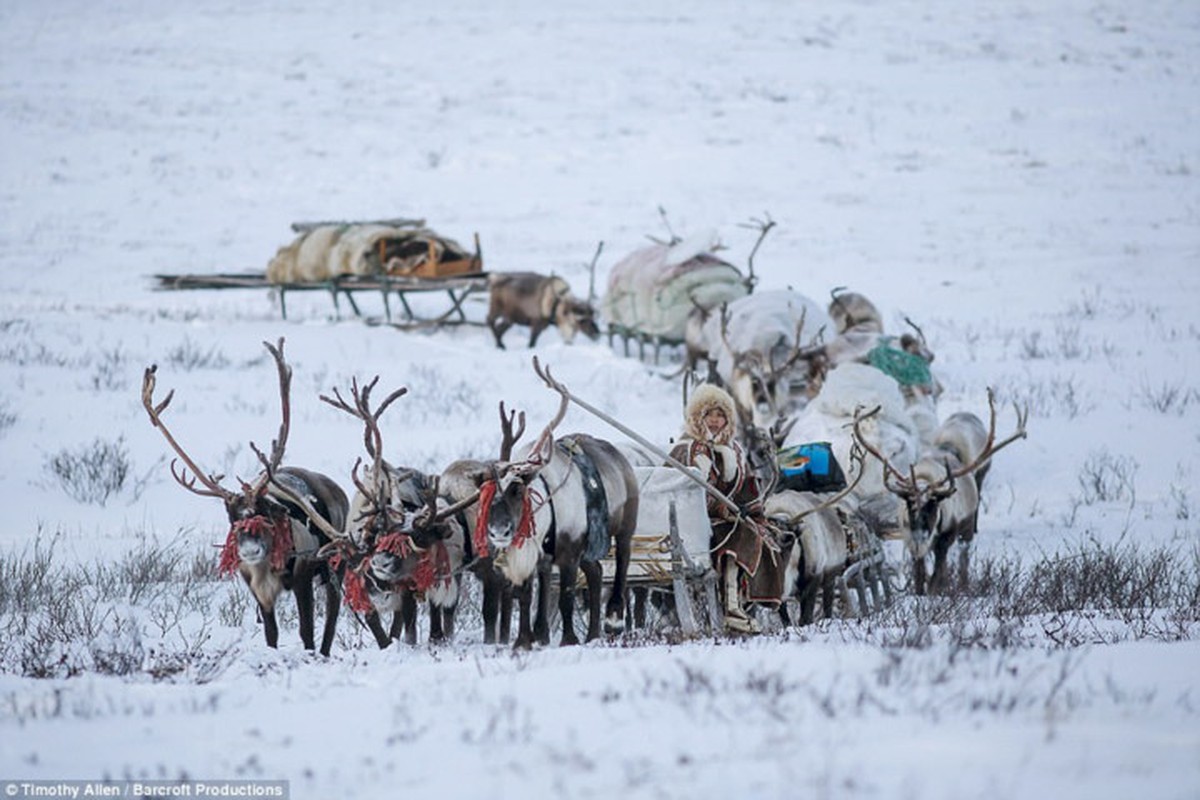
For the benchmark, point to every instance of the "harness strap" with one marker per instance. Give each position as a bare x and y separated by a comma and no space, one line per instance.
548,543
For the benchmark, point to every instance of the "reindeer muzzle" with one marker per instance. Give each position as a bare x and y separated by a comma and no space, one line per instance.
252,550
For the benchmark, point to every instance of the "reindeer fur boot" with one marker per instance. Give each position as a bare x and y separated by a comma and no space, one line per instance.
736,619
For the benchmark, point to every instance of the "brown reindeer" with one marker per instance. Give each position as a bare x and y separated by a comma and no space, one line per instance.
940,495
272,541
539,301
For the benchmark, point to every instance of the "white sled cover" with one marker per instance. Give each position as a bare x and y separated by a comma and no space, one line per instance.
652,290
658,486
328,251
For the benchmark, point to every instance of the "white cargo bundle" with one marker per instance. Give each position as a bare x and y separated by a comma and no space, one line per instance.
652,290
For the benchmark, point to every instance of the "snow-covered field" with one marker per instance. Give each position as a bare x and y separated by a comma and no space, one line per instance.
1021,179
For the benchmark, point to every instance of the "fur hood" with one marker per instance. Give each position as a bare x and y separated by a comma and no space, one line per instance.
704,397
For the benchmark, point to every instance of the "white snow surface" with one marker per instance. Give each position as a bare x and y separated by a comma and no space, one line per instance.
1021,179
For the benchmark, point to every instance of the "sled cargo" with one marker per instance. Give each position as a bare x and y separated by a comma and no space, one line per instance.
387,257
652,291
671,545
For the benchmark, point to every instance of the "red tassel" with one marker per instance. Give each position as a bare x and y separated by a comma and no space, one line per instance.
354,590
525,527
229,554
486,492
398,544
280,542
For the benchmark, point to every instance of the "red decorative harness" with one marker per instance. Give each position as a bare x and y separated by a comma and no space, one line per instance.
524,528
278,532
433,566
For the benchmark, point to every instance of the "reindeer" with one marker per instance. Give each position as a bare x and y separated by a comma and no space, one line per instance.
763,337
563,504
539,301
272,543
399,546
461,480
827,532
939,498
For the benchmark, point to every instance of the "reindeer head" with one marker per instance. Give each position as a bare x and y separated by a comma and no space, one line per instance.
507,495
260,527
574,316
761,381
851,310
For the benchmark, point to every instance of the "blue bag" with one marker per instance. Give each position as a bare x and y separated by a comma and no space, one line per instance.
810,467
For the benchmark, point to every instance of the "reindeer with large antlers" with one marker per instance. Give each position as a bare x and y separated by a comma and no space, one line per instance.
400,545
765,345
940,494
562,504
273,537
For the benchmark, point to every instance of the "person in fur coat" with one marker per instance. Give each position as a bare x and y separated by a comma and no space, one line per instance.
744,551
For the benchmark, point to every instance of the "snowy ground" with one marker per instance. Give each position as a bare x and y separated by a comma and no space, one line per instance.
1020,179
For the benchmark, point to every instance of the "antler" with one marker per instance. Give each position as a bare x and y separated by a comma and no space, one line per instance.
539,454
361,410
372,440
211,483
905,483
279,444
428,515
991,447
815,347
506,429
764,227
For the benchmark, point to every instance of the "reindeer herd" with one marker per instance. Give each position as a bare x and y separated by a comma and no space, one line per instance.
569,504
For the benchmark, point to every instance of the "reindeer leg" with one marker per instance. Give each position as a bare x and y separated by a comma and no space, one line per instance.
919,576
614,615
941,547
964,562
448,620
332,604
408,612
436,634
270,626
827,587
524,597
499,326
396,629
594,574
506,609
302,587
808,602
567,575
492,591
376,627
535,330
541,628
